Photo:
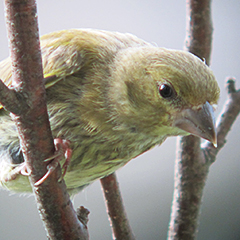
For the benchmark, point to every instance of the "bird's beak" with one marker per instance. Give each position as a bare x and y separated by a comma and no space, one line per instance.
199,122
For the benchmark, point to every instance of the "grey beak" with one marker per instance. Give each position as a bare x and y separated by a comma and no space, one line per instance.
199,122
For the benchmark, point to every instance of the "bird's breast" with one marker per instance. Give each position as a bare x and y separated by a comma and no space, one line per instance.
95,158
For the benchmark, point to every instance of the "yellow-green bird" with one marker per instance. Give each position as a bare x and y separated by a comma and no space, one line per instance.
113,96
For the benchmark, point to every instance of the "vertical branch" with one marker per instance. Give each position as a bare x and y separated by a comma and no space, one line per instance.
32,122
190,176
120,225
191,168
199,28
27,82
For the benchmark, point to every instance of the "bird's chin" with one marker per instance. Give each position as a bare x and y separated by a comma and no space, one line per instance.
182,133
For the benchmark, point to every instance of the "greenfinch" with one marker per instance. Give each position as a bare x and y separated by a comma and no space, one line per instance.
112,96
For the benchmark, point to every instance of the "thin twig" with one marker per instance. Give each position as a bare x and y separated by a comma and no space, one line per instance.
120,225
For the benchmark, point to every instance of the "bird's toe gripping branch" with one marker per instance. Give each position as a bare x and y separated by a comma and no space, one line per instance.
62,150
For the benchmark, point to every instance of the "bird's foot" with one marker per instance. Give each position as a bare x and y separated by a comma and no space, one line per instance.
62,149
19,169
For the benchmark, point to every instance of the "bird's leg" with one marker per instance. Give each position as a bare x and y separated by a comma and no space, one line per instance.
61,149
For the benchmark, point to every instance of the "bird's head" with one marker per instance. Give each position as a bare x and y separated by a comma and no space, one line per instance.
165,92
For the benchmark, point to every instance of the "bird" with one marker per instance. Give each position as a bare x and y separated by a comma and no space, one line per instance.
112,96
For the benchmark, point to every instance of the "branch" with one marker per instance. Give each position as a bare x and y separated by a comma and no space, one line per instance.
10,99
192,162
27,103
120,225
190,177
199,28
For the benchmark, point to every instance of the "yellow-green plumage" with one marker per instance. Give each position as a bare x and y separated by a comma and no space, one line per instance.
103,96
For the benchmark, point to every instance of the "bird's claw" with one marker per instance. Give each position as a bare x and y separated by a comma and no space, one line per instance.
20,169
24,170
61,149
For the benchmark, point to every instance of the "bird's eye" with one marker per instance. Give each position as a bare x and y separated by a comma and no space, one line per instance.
166,91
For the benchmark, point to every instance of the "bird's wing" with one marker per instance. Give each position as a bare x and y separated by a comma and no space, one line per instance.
59,58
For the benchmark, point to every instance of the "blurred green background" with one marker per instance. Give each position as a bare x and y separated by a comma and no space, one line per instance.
147,181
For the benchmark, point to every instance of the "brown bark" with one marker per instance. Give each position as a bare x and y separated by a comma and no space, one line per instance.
118,218
26,100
